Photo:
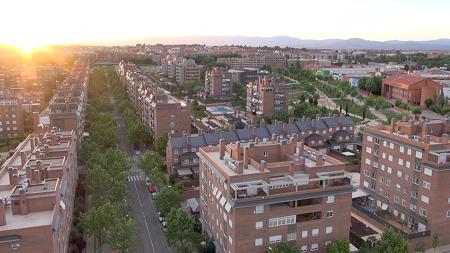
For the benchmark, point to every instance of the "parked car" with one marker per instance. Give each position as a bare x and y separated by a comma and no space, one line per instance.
151,187
154,194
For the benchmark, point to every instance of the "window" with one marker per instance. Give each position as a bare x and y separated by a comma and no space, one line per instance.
428,172
369,138
314,247
259,224
329,214
396,199
266,154
426,185
366,184
369,150
391,145
402,149
413,207
281,221
390,158
419,154
400,161
292,236
408,164
399,173
305,234
304,248
329,230
367,161
448,213
275,239
425,199
383,155
389,170
259,209
423,212
409,151
258,242
384,144
315,232
366,173
330,199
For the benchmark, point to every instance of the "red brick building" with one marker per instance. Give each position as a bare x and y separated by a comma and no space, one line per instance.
410,89
266,96
405,169
37,189
257,194
218,83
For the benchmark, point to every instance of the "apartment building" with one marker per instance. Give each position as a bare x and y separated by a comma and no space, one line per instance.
37,190
266,96
276,61
187,70
67,108
259,193
11,117
411,89
334,133
218,83
405,169
158,110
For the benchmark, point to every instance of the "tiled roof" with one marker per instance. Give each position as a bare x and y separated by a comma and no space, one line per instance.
246,134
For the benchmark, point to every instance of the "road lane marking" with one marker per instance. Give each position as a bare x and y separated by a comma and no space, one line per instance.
145,219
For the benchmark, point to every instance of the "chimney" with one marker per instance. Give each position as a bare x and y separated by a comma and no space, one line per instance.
36,177
13,176
283,148
2,213
256,140
300,148
239,167
23,201
29,172
274,137
263,165
291,168
291,120
246,157
262,123
444,138
23,157
222,148
392,128
319,159
285,128
46,150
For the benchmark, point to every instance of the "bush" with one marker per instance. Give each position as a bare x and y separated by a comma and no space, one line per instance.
429,102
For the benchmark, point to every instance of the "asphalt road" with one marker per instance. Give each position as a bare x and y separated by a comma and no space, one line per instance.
150,236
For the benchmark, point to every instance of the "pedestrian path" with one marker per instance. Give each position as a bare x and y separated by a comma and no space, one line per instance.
136,178
134,158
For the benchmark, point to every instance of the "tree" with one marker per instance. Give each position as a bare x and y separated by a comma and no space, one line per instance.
362,83
161,144
284,247
435,242
97,222
150,160
180,231
281,116
373,85
391,242
169,198
137,133
417,110
420,247
122,234
339,246
429,102
364,113
346,107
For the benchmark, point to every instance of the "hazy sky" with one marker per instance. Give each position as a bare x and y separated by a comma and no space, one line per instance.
35,22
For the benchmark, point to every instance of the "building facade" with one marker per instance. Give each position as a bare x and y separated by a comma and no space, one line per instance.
405,169
266,96
37,193
324,134
411,89
259,193
11,118
160,112
187,70
218,83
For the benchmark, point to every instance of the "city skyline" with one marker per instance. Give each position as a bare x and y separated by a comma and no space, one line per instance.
98,22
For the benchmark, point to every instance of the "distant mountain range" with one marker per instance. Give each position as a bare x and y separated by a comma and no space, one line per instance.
283,41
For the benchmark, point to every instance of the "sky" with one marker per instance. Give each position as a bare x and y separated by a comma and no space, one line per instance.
32,23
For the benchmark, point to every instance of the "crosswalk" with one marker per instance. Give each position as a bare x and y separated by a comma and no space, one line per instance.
136,178
134,158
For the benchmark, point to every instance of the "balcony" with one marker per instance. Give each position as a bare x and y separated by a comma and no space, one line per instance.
386,219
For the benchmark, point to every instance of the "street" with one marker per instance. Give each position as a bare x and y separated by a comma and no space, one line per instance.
150,236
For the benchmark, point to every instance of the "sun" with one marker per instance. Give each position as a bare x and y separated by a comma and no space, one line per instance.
27,48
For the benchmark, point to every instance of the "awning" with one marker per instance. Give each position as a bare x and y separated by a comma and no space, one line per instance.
347,153
359,193
193,204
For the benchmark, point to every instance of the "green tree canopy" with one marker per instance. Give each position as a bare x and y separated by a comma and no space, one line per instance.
284,247
180,231
339,246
